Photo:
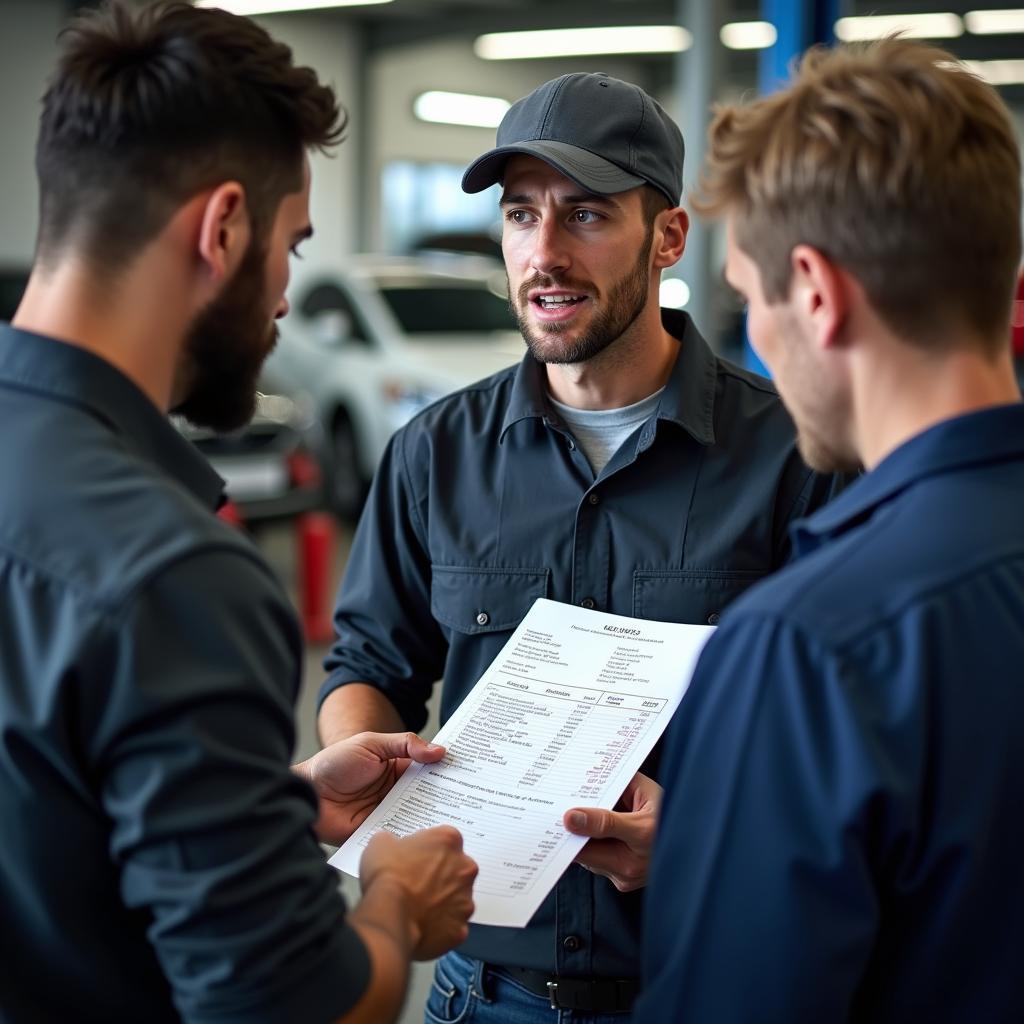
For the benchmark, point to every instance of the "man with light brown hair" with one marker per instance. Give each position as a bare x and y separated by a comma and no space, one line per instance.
841,837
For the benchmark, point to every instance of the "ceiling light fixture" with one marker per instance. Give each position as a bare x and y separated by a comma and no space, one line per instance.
990,23
748,35
674,293
252,8
578,42
998,72
460,108
913,26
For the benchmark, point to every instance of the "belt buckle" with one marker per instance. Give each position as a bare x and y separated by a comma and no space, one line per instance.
553,994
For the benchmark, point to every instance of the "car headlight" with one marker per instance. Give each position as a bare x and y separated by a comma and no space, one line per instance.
275,408
404,400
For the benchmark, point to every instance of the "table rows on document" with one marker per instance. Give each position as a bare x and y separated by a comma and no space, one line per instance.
497,829
561,746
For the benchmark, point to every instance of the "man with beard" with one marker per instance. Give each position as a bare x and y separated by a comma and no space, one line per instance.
842,835
159,860
621,466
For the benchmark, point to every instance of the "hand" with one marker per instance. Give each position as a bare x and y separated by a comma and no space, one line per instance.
438,881
620,847
352,776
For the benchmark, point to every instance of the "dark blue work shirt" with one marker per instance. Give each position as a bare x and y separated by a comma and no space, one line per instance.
843,832
158,861
484,503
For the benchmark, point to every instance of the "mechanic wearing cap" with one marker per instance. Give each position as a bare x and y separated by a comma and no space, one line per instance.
620,466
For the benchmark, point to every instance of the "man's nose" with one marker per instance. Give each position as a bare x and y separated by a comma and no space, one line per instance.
550,250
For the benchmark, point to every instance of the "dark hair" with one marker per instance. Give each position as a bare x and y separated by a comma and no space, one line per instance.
147,109
652,202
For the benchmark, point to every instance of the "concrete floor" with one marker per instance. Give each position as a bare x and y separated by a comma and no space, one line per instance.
279,546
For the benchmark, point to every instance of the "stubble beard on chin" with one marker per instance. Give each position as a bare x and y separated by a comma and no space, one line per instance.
816,402
625,302
822,421
225,350
824,455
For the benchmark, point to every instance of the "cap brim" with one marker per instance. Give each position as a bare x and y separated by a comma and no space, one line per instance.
590,172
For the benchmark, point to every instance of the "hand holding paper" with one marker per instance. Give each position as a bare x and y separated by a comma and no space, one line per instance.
353,775
621,839
562,718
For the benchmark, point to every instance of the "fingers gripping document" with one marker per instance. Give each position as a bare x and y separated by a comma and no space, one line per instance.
563,717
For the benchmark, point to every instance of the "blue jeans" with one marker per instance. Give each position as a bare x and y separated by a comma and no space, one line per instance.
464,991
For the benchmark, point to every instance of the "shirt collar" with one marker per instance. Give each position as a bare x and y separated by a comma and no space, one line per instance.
975,439
688,399
72,375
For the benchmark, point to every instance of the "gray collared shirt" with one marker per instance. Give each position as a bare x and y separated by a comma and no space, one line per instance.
158,860
484,502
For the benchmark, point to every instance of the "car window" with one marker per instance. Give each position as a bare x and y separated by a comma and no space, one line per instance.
453,309
328,297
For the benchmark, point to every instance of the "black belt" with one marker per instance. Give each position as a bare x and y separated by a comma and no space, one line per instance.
591,995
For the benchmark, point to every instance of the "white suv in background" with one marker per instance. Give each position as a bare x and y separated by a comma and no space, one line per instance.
374,341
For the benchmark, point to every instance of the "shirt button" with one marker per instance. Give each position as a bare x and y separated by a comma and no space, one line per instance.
571,444
713,619
572,943
482,619
587,602
594,499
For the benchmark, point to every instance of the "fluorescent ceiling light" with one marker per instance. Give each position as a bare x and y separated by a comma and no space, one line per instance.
460,108
576,42
748,35
998,72
913,26
986,23
249,8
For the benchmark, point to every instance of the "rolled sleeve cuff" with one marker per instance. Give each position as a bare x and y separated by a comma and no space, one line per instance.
412,711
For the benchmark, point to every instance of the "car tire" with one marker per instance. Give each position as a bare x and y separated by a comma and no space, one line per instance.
346,484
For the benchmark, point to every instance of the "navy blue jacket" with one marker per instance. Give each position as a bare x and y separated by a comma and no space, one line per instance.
843,833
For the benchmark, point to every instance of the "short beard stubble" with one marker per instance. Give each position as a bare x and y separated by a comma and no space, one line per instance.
226,347
624,303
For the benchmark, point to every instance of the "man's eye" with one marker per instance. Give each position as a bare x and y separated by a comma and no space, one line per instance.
517,216
585,216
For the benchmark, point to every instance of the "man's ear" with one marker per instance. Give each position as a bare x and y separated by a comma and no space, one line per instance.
224,231
819,295
670,241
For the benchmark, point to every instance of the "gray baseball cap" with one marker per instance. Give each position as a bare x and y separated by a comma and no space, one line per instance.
604,134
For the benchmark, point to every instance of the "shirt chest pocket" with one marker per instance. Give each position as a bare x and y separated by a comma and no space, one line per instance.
472,600
696,596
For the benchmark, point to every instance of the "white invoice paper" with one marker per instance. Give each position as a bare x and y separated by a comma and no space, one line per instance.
563,717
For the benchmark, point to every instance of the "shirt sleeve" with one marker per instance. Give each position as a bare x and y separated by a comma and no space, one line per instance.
385,634
211,832
761,905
